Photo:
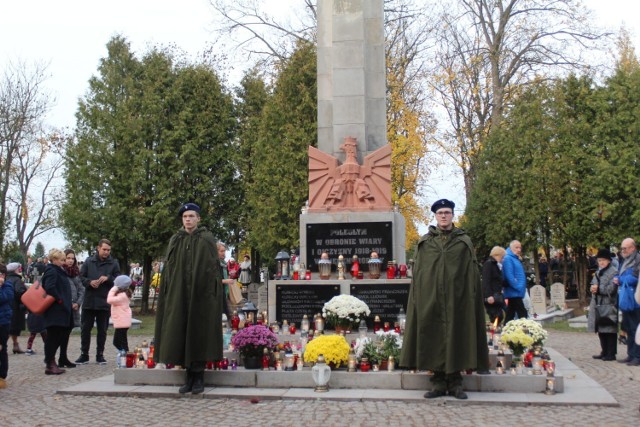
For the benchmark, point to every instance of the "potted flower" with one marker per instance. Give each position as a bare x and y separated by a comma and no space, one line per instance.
334,348
517,340
389,345
529,327
344,312
251,341
386,344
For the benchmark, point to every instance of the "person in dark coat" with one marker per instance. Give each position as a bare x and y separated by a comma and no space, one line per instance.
97,275
6,311
58,319
604,293
445,330
189,319
18,323
72,271
492,284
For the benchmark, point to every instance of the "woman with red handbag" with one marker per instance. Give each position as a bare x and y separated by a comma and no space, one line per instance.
58,318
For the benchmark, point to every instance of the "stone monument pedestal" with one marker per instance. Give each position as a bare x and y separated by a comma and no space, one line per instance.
352,233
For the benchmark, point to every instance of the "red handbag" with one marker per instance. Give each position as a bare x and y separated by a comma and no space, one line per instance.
36,299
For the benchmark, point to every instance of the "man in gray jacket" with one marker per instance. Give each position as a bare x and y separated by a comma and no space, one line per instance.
97,275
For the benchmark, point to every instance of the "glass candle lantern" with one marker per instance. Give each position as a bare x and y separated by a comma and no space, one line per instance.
289,362
391,270
324,267
376,323
355,267
402,319
304,324
365,365
352,361
374,267
266,359
386,327
319,323
130,360
362,330
550,385
321,374
402,269
282,262
235,321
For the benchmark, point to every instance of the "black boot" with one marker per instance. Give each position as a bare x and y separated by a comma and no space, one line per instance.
188,386
198,383
64,362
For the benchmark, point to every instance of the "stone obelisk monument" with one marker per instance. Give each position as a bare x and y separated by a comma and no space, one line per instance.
350,211
351,75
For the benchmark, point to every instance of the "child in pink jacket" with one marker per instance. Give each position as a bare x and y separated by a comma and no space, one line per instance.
119,297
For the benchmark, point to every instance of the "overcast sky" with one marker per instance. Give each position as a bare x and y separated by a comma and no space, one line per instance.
70,36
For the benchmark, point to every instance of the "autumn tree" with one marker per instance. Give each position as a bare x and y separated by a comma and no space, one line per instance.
24,103
486,50
278,187
36,193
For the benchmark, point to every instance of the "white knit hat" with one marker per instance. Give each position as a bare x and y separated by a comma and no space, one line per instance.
122,282
13,266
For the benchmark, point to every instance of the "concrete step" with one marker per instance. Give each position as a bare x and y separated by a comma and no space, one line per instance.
340,379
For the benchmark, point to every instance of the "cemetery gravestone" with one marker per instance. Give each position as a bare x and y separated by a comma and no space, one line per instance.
558,295
538,296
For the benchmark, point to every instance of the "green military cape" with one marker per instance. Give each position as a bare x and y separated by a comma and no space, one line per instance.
189,317
445,328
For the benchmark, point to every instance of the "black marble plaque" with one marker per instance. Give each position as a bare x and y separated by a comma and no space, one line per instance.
348,239
294,301
384,300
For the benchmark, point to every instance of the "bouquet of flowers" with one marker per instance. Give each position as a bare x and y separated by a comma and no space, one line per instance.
529,327
252,340
345,311
517,341
386,344
334,348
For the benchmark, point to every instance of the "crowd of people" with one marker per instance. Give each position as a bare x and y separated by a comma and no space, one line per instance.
446,309
93,292
505,292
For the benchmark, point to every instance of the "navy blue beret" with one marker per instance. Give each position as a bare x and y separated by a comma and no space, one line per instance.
189,207
442,203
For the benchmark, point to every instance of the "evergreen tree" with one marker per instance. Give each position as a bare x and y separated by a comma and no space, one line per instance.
278,189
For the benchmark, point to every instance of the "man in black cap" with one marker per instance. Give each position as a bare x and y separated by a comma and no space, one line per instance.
189,318
445,330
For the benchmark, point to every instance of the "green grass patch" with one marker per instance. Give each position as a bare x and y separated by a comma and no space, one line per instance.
562,325
147,328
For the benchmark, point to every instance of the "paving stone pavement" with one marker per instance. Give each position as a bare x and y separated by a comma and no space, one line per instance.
31,400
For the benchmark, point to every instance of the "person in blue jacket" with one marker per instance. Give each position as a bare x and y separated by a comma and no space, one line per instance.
515,282
6,312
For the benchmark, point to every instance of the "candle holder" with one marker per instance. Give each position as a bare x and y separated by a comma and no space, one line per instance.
321,374
550,385
375,266
324,266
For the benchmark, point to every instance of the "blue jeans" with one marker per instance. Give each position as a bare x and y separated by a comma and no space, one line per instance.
630,322
4,355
